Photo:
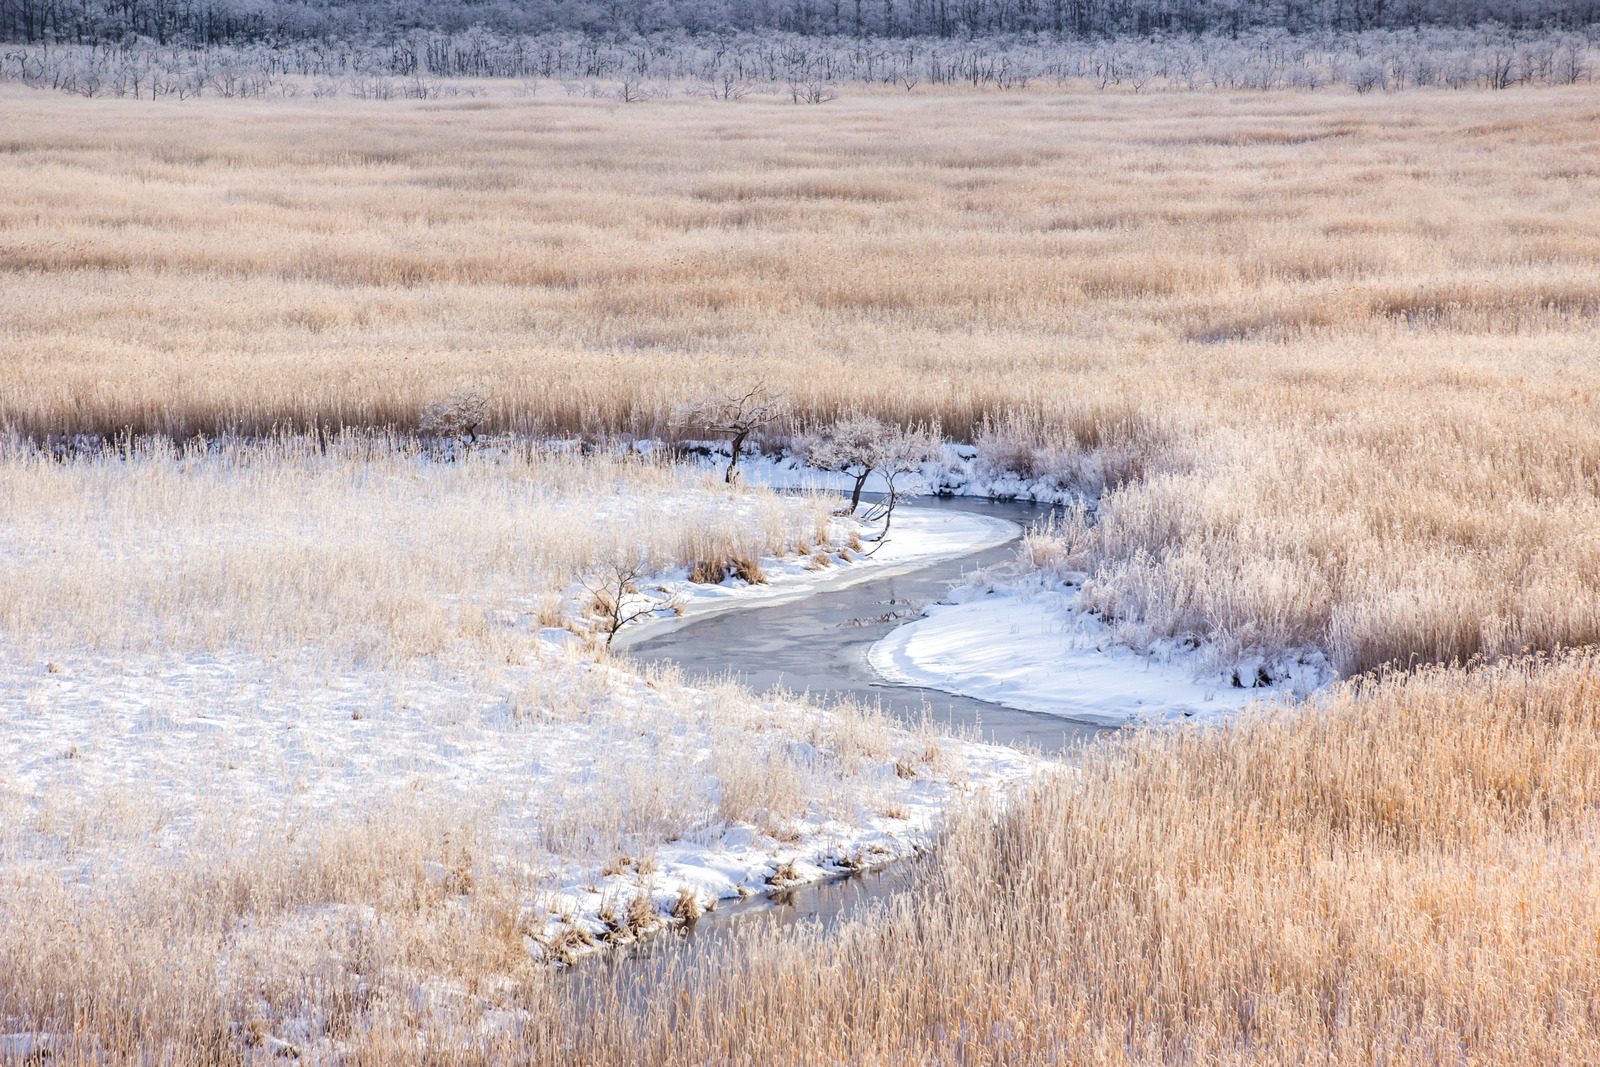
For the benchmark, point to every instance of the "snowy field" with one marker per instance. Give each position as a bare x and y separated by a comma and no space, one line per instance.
302,696
220,680
577,776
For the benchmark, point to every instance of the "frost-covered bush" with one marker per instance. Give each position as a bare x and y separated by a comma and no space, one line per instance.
458,416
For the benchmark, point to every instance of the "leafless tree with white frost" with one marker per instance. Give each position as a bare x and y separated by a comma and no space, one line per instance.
458,416
859,446
736,415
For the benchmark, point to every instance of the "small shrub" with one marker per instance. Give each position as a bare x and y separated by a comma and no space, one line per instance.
708,572
459,415
641,913
686,909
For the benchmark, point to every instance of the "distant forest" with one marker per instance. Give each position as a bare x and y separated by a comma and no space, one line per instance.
223,22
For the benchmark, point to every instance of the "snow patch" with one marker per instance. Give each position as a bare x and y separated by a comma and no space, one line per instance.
957,470
569,765
1033,648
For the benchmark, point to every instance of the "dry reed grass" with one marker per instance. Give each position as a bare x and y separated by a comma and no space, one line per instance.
1329,360
1405,874
1398,511
1337,350
241,266
363,547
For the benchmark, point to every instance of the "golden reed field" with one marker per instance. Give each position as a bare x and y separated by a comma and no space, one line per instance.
1408,875
1331,362
1336,353
230,265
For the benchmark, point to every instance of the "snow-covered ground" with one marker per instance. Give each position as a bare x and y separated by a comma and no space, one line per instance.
571,764
1030,646
338,681
598,783
494,761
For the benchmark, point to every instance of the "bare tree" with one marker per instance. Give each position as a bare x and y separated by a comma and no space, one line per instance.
737,415
861,445
615,589
107,48
903,450
631,92
1571,63
728,86
811,91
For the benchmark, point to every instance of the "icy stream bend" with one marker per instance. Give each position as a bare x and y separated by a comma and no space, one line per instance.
819,644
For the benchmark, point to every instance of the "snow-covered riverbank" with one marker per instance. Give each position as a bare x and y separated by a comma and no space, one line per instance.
588,780
954,470
595,798
1030,645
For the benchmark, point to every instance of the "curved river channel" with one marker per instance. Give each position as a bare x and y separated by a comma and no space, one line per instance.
818,645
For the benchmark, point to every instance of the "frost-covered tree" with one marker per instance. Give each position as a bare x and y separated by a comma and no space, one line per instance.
379,63
852,446
458,416
613,587
903,451
957,22
860,446
736,415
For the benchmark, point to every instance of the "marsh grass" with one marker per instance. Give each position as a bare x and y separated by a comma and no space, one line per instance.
943,260
1404,872
1325,362
363,547
1327,359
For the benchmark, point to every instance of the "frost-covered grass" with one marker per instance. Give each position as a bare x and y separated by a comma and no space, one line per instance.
289,751
367,550
1404,874
239,844
1326,360
292,737
234,265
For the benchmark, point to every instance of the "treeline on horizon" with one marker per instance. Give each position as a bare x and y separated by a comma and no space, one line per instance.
217,22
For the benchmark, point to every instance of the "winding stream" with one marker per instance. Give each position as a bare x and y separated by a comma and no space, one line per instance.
818,645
